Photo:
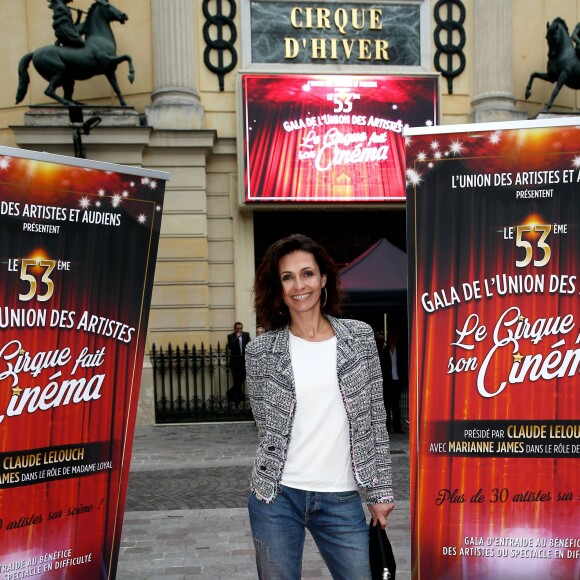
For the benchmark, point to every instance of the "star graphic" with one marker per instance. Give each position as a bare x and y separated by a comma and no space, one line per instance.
16,391
521,317
413,177
518,357
456,147
21,351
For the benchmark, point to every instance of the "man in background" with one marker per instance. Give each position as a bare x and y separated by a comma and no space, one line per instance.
395,378
237,342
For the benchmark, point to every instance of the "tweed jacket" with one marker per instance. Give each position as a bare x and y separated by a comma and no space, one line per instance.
272,393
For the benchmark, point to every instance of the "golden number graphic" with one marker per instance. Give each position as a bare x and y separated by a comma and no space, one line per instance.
544,230
45,279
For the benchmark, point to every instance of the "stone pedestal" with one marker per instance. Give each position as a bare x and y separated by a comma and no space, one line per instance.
58,116
118,138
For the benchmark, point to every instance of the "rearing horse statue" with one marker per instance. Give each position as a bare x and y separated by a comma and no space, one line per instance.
563,63
61,66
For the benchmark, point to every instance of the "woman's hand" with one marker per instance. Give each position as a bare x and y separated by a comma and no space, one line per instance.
380,511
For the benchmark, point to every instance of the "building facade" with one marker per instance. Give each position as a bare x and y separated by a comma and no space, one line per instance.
184,117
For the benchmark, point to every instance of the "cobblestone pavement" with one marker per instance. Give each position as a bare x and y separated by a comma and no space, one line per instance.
186,511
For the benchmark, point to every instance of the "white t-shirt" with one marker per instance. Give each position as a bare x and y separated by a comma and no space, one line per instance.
318,456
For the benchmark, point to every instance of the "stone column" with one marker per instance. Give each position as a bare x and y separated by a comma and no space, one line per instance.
175,102
493,83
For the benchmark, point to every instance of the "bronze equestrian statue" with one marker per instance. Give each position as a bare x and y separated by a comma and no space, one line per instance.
62,65
563,59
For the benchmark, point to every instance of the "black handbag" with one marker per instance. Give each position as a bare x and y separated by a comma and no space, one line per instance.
383,565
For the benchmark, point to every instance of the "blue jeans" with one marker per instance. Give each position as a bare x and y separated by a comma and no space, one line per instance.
336,521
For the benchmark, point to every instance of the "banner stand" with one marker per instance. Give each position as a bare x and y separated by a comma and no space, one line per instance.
78,244
493,220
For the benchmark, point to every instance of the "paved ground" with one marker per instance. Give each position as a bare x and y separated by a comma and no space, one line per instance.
186,507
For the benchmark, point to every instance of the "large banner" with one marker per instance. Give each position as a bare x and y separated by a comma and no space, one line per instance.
330,138
78,242
494,247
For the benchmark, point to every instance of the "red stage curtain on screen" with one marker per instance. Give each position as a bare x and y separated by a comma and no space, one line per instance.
330,138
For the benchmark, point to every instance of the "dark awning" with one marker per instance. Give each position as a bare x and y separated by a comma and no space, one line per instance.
377,278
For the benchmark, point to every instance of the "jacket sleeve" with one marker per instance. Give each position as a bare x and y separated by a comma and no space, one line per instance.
380,491
254,381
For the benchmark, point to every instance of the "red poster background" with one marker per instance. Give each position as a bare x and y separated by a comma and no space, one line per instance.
495,480
65,447
331,137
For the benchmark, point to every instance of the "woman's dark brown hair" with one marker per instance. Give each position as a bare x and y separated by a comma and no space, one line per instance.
271,310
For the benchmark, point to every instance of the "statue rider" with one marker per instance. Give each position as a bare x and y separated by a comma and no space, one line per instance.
68,33
575,37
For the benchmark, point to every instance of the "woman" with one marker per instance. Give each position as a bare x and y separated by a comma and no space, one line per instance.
316,391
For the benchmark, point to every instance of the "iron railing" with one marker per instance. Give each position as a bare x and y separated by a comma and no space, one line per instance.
191,386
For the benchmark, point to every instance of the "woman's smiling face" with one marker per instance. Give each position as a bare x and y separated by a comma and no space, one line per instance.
301,282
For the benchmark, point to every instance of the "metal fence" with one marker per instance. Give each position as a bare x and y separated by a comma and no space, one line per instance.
191,386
